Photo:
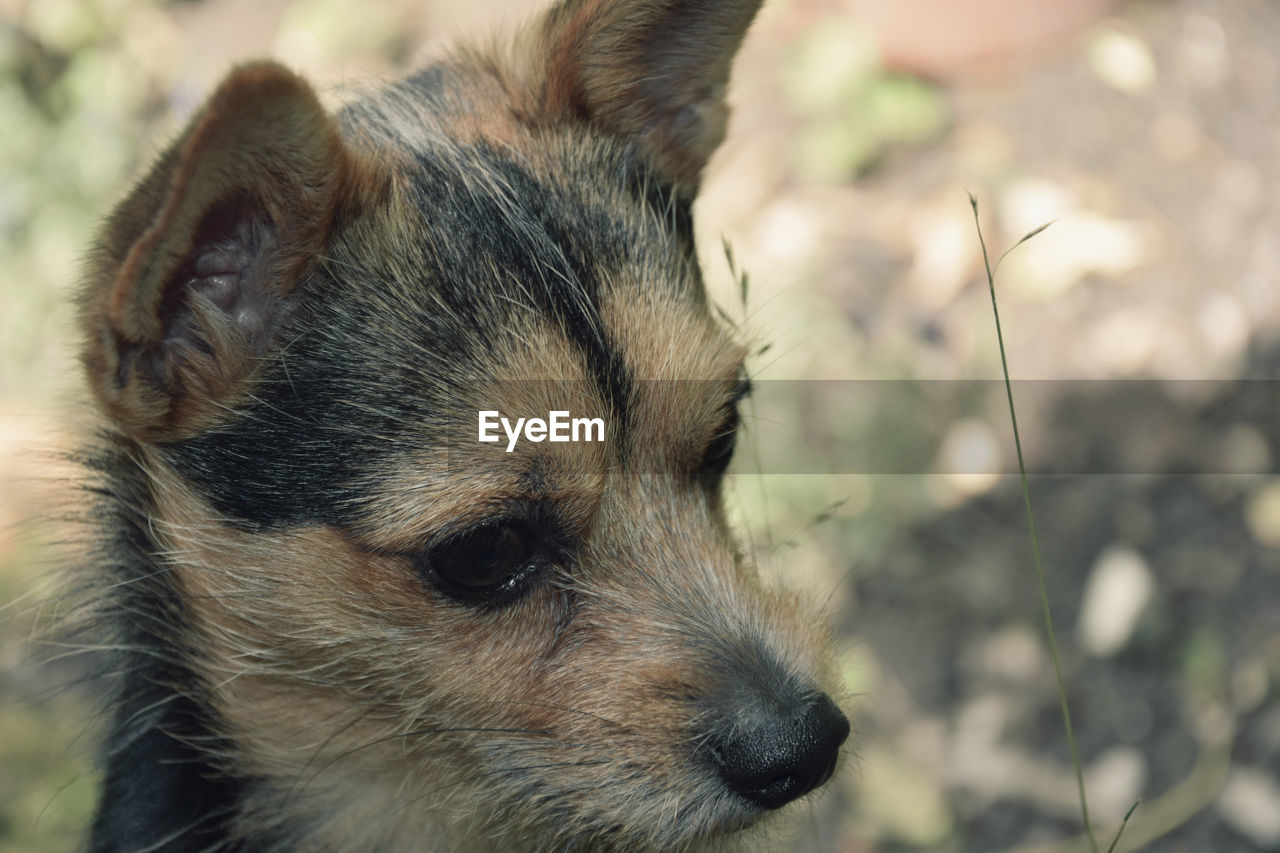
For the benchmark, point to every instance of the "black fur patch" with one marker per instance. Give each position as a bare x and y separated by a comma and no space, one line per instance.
368,366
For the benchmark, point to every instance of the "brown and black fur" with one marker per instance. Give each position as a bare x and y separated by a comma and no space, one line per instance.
290,326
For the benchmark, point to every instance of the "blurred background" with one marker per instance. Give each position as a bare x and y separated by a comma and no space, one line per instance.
1150,131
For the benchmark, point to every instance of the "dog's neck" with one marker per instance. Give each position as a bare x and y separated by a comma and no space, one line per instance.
161,785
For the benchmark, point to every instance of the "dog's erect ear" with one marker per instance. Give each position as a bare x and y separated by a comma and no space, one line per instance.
194,270
652,71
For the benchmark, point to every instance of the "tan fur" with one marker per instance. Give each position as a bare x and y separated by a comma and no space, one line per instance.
332,711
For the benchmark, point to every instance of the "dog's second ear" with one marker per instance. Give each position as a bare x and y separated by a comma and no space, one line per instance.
651,71
194,270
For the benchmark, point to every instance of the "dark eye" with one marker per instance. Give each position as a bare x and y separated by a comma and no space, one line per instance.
488,565
720,451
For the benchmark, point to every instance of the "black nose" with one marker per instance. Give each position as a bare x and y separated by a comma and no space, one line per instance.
773,757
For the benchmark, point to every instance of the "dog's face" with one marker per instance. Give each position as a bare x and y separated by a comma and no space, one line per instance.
399,629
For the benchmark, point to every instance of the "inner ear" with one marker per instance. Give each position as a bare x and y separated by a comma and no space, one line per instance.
219,305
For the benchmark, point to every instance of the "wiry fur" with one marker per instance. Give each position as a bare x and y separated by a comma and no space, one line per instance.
291,325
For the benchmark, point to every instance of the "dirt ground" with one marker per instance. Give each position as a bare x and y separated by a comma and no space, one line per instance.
1144,327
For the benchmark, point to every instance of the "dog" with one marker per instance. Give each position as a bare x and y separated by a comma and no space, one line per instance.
340,615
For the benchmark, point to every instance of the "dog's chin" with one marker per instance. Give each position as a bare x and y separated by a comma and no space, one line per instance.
721,821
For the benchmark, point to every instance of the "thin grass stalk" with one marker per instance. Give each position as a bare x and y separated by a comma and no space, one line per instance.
1031,523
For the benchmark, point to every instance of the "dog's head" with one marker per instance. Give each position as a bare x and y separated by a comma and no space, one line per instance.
395,627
